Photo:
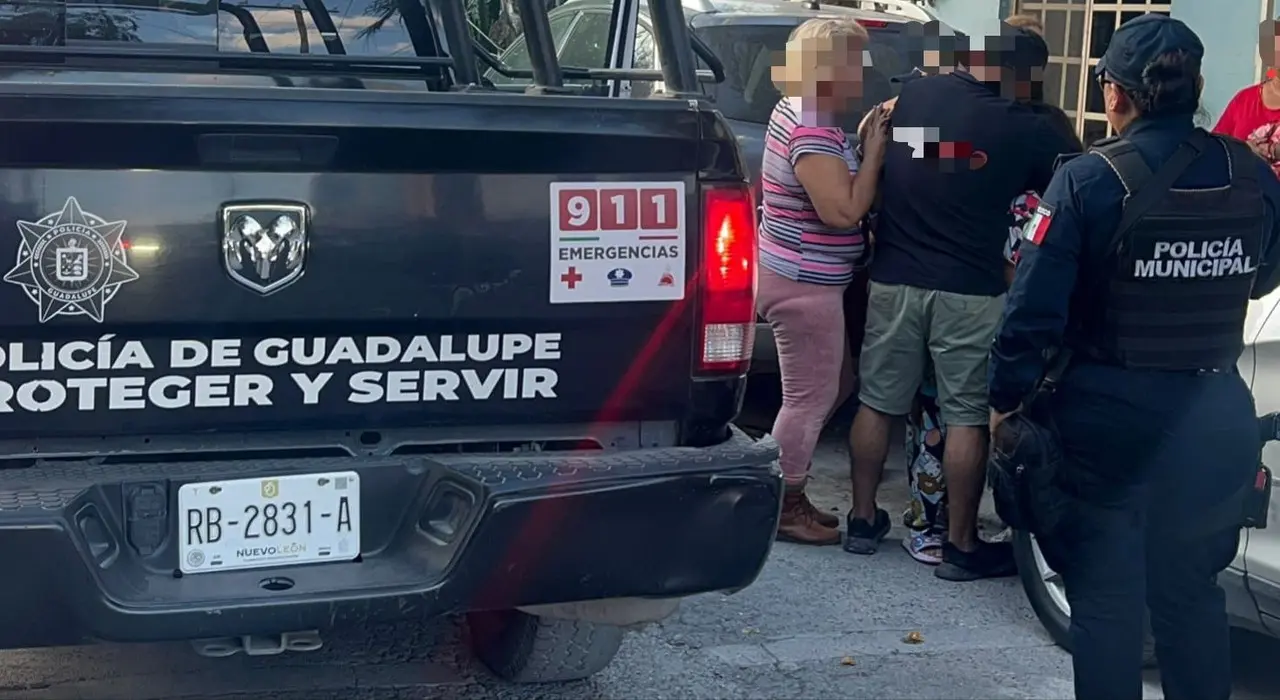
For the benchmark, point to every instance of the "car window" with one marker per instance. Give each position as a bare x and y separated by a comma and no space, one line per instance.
588,43
646,58
40,24
747,51
646,49
517,55
587,46
364,27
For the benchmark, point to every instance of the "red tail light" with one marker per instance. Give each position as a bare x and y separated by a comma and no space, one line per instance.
873,23
728,289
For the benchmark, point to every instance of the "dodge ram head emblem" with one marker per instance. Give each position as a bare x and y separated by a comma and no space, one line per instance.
264,246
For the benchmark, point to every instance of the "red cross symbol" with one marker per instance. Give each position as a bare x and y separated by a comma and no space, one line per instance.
572,277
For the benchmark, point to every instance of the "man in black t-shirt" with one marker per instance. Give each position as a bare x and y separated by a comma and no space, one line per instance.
964,147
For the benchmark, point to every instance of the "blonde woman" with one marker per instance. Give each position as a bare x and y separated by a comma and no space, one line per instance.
815,195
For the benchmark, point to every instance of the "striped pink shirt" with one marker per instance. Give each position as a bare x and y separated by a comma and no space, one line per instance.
793,240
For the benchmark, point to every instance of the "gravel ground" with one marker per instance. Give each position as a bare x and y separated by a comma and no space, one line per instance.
819,623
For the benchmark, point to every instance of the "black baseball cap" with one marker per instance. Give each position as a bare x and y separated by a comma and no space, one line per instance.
1138,42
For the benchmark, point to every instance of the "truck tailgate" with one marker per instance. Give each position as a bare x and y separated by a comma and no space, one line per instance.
234,259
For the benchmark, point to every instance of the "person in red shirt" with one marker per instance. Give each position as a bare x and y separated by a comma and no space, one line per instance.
1253,115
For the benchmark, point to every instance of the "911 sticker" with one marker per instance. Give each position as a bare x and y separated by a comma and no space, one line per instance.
617,242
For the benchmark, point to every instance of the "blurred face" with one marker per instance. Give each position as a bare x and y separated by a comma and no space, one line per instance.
1024,85
1013,84
1022,90
825,72
938,62
979,68
1269,44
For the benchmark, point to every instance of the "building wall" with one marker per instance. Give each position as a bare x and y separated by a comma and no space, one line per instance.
1228,28
974,17
1229,31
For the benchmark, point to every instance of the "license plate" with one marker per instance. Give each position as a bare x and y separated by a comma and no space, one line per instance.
276,521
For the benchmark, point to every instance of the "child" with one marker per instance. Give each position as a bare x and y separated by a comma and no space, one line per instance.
926,515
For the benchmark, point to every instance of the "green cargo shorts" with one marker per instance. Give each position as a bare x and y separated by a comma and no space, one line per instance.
907,327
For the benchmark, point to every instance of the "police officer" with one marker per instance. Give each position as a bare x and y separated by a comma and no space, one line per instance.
1156,427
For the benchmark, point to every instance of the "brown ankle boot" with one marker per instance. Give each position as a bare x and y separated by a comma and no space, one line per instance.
822,518
799,525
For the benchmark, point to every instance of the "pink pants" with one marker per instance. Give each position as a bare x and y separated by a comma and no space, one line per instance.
813,357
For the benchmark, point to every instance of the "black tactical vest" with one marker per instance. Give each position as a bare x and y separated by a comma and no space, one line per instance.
1175,289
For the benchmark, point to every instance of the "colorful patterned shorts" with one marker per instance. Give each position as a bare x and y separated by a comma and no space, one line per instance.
926,438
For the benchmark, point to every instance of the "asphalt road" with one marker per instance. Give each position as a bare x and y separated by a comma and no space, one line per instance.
819,623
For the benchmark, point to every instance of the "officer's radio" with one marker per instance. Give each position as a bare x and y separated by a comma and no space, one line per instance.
1257,500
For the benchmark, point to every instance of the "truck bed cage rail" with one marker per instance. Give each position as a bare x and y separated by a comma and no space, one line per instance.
167,61
670,31
715,75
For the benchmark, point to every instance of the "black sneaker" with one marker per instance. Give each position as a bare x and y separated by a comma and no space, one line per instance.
989,560
862,537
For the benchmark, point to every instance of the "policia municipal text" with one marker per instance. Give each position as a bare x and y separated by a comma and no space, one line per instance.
1137,271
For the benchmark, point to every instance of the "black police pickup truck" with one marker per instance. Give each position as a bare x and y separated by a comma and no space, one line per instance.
309,326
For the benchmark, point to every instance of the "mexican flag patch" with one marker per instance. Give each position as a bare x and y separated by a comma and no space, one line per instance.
1039,224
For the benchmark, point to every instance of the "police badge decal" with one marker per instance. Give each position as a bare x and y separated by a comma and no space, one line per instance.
71,263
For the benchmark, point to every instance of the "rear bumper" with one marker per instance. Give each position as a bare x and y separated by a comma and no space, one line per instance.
86,560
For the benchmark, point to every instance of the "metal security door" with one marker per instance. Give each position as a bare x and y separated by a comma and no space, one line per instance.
1078,32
